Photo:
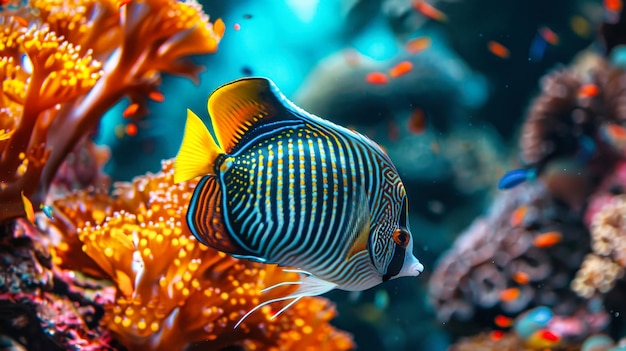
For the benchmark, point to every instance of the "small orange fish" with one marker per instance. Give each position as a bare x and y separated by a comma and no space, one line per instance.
377,78
28,208
156,96
131,129
547,239
417,121
21,21
498,49
429,11
503,321
588,91
418,45
510,294
130,110
517,217
549,36
521,278
400,69
497,335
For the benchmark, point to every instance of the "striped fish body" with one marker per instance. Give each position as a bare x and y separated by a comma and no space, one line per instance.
290,188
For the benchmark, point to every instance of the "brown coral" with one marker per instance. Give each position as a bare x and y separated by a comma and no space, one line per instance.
496,267
172,291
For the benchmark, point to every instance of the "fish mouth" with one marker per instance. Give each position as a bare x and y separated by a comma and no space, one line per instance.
412,267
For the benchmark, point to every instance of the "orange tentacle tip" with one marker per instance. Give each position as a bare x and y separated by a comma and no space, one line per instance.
521,278
547,239
498,49
518,215
497,335
400,69
588,91
510,294
131,129
376,78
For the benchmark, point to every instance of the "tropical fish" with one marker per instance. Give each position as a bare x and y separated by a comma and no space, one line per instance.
283,186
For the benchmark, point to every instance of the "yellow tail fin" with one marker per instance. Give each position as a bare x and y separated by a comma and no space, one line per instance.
198,151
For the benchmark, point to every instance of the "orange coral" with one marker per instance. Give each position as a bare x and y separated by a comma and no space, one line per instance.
74,60
172,291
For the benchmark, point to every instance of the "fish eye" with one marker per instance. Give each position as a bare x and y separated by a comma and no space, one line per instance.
401,237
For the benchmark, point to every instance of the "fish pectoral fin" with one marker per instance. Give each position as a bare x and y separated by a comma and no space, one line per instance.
359,229
198,151
235,107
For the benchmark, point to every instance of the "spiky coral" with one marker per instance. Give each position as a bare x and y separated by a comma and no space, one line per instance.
172,291
72,63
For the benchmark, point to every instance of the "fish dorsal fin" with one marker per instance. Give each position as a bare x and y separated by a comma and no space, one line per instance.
360,224
237,106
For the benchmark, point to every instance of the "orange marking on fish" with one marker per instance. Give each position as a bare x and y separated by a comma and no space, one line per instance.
547,239
588,90
503,321
517,217
613,5
400,69
131,129
417,121
549,35
429,11
521,278
28,208
498,49
497,335
418,44
156,96
377,78
130,110
510,294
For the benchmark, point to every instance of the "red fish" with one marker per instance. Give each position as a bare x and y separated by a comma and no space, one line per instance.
417,121
418,44
503,321
429,11
376,78
549,36
547,239
498,49
401,69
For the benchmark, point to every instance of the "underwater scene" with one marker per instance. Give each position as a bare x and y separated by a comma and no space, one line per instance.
313,175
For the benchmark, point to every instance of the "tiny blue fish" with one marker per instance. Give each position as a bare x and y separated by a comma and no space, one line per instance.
47,210
513,178
282,186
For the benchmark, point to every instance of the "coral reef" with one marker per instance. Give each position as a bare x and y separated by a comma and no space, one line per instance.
60,74
557,242
171,291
